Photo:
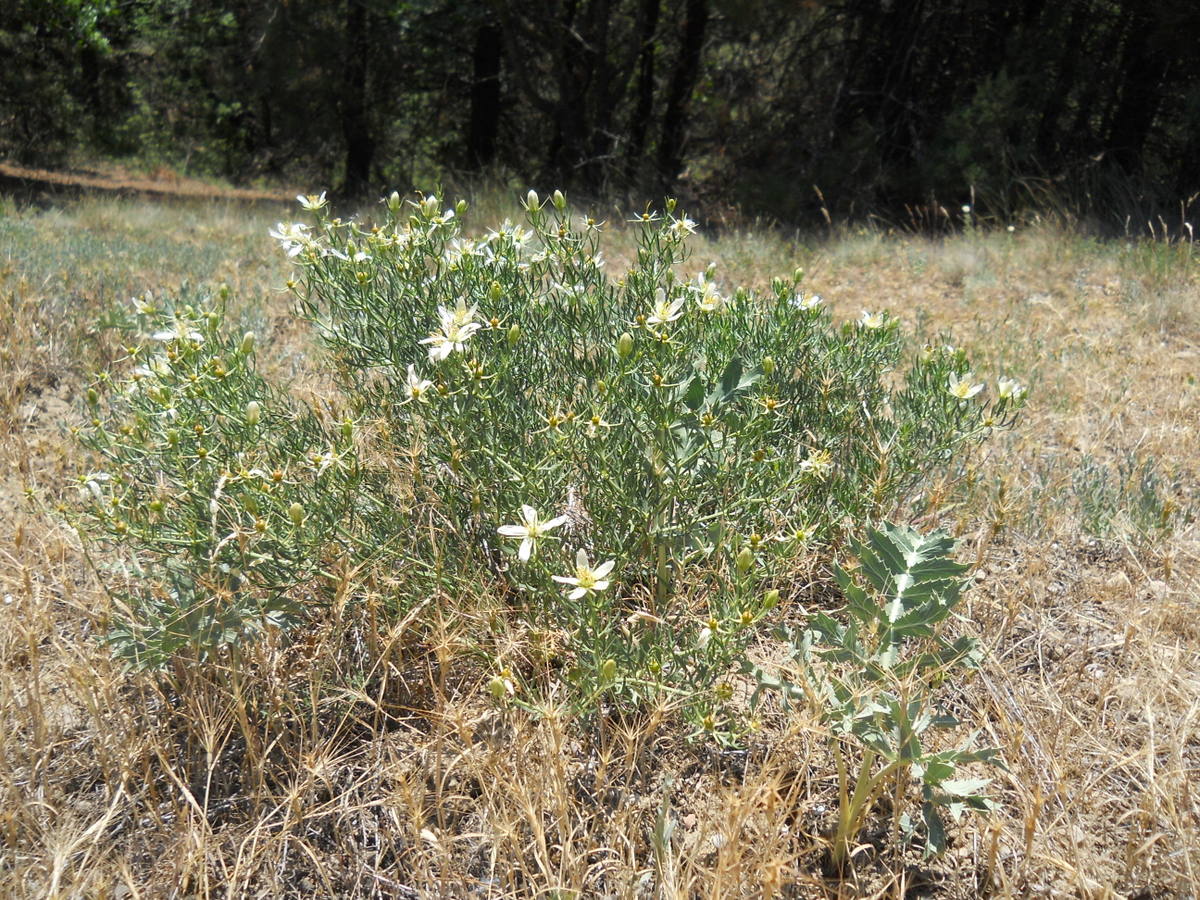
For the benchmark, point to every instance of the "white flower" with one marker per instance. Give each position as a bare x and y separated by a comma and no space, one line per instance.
961,388
178,333
683,226
586,578
416,387
1008,389
872,320
457,328
663,311
144,305
292,237
312,202
708,300
529,533
811,302
93,481
818,462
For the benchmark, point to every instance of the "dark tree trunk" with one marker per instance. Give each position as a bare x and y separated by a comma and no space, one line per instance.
1141,94
648,13
485,97
360,144
683,82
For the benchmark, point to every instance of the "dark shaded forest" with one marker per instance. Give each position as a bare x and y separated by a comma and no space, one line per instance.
788,108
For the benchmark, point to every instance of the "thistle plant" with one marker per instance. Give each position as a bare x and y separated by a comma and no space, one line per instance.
873,681
698,439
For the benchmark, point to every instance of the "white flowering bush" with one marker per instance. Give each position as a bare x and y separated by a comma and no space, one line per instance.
214,495
640,455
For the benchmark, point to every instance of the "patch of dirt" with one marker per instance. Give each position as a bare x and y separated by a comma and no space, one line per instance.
163,183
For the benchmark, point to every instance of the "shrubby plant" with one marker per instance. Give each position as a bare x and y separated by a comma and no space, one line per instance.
215,496
639,455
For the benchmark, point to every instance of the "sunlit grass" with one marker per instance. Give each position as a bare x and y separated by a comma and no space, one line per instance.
408,777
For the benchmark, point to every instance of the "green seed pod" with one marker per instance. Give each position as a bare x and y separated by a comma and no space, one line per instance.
92,397
247,345
514,335
253,413
771,600
768,365
560,202
495,292
213,320
296,514
624,344
156,505
497,688
745,560
347,429
798,275
608,670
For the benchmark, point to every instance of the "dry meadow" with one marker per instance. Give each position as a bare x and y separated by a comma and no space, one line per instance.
1079,524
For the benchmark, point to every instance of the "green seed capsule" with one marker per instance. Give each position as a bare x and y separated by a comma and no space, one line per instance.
624,344
771,600
514,335
608,670
296,514
347,429
497,688
768,365
745,560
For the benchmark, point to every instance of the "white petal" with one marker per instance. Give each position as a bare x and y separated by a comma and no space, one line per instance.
528,513
554,523
600,585
564,580
526,549
515,531
604,568
576,594
581,559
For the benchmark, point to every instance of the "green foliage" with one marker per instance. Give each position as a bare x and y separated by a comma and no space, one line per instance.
873,678
215,495
697,439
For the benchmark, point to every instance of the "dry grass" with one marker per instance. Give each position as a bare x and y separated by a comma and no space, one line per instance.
297,779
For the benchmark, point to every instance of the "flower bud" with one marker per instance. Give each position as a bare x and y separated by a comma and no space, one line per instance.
608,669
429,206
247,345
745,560
460,208
768,365
213,320
495,292
253,412
670,205
624,344
514,335
531,200
173,438
798,275
560,202
347,429
296,514
771,600
393,201
92,397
